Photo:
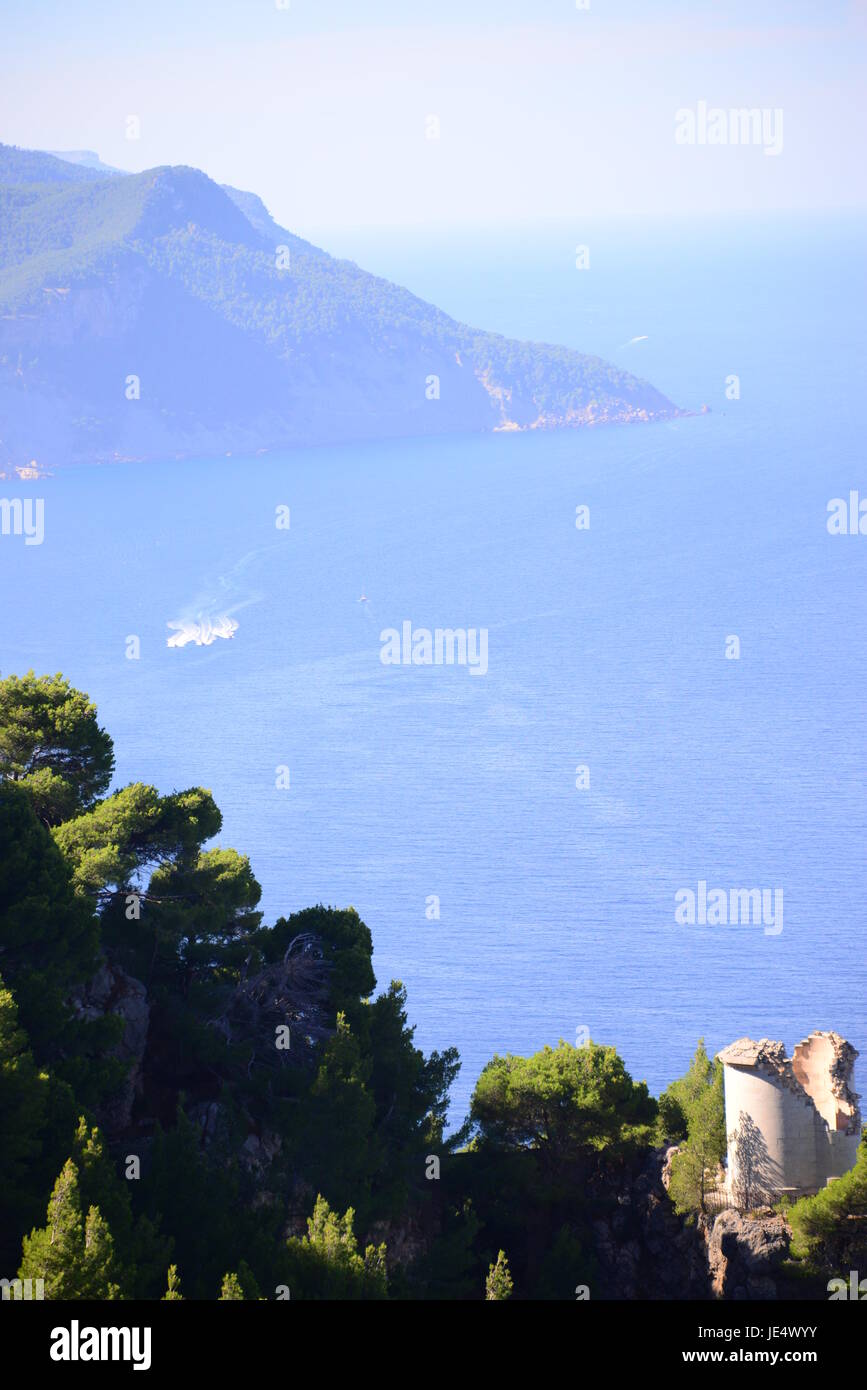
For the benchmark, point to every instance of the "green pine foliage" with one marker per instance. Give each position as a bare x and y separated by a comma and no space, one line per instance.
692,1111
74,1252
327,1264
24,1096
230,1289
226,1140
52,746
829,1231
498,1285
48,937
563,1102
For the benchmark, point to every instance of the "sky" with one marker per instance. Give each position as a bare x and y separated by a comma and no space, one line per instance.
543,110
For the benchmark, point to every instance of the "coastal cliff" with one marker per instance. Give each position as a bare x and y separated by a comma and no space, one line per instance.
160,315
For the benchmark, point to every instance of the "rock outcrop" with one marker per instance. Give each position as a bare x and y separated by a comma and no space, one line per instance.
112,991
643,1248
744,1254
646,1251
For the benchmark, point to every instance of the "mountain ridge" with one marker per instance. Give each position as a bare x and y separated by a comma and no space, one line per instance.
160,314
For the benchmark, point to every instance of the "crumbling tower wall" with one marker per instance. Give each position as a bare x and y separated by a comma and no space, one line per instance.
793,1124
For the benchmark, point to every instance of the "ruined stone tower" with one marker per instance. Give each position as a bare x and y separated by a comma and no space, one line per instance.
792,1123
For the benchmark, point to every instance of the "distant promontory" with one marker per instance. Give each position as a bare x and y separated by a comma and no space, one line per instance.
159,315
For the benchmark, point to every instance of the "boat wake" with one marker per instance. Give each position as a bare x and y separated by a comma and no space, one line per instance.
202,632
211,615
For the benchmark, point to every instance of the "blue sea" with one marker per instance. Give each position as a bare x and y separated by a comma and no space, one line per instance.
607,650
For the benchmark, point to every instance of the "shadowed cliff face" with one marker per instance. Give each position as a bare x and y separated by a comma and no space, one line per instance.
158,314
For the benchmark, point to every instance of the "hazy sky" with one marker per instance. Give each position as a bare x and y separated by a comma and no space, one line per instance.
545,110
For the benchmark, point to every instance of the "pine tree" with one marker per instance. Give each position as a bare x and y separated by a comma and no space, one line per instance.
231,1291
699,1097
340,1102
141,1253
498,1284
24,1091
249,1287
99,1257
173,1289
73,1254
197,1203
52,746
829,1230
48,937
326,1264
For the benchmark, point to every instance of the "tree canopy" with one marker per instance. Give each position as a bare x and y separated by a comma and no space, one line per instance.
692,1110
51,743
327,1264
49,937
74,1252
184,1085
564,1101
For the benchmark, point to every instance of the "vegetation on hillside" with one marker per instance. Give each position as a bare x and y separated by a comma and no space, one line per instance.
692,1113
238,331
275,1132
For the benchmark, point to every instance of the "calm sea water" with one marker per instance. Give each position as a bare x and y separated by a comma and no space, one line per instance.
606,649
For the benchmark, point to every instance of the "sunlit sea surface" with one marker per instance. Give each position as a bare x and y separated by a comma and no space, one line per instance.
606,650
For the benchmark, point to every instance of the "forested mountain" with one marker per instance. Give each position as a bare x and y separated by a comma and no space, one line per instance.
159,314
197,1104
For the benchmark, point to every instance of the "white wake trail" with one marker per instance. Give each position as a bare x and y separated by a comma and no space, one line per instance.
209,617
202,632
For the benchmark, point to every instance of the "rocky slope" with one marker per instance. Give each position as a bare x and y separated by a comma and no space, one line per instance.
641,1247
